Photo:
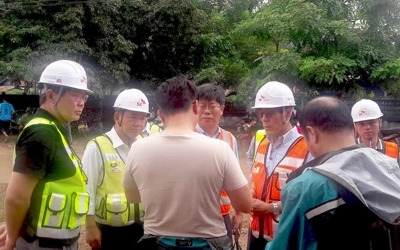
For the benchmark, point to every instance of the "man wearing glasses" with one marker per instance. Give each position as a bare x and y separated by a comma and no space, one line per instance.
278,154
211,108
46,200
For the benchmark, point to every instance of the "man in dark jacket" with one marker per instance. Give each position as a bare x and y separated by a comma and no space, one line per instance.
333,201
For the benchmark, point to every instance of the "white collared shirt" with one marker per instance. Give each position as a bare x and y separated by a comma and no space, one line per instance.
216,135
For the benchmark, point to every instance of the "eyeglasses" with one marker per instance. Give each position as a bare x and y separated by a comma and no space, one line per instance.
210,106
80,97
268,113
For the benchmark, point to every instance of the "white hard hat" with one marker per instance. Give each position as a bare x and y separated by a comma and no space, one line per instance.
65,73
273,95
365,110
133,100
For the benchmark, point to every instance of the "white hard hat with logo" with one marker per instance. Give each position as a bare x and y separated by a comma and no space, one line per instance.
365,110
65,73
274,94
133,100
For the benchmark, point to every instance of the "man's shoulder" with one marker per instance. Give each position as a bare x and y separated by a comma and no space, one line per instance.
311,184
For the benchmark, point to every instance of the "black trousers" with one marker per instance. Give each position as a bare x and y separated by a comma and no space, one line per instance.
125,237
254,243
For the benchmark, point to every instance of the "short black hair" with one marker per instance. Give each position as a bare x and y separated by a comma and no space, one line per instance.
328,114
211,91
175,95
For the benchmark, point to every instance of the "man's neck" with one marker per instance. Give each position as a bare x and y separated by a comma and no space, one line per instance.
210,131
181,123
370,143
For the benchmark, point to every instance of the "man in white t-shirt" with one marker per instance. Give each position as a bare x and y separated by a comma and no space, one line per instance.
178,175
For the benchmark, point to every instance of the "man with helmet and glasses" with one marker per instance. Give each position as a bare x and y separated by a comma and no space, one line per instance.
46,200
113,223
211,107
278,154
367,120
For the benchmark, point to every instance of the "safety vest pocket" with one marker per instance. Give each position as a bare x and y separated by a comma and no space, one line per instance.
79,209
117,210
100,207
55,210
275,188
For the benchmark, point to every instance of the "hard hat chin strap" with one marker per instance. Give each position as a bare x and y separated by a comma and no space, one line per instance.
285,120
56,107
130,140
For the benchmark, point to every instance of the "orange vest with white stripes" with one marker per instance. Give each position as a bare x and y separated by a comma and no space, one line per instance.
225,202
391,149
268,188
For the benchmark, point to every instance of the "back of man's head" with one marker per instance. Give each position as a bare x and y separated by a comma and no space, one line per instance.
329,115
210,91
175,95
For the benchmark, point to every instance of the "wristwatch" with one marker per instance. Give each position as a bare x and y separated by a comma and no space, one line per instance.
275,208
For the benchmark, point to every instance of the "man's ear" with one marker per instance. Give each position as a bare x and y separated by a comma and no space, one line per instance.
313,134
222,109
161,115
195,107
51,96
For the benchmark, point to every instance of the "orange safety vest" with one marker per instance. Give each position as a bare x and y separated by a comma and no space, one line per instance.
391,149
268,188
225,202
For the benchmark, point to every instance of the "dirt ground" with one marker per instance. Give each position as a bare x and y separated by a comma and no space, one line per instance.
6,156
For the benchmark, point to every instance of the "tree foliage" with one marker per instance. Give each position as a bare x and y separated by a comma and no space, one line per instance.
334,45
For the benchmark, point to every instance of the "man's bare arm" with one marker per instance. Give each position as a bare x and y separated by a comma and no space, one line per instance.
17,202
241,199
132,195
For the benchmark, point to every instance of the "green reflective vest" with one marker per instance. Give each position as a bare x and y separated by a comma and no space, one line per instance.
112,207
65,202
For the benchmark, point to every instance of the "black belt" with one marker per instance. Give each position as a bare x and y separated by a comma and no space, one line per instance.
49,242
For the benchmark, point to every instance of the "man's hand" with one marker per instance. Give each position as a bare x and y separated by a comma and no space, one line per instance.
260,208
237,221
93,237
93,234
3,236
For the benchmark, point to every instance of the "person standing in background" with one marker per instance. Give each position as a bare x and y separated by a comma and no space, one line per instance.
6,110
367,118
112,222
211,99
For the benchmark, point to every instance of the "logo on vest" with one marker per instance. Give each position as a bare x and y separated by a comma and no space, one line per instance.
256,170
115,168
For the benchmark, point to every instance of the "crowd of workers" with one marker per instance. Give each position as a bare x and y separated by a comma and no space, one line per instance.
335,185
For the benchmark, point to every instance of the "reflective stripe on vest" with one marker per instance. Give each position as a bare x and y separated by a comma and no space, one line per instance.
225,202
65,202
112,207
293,159
260,134
391,149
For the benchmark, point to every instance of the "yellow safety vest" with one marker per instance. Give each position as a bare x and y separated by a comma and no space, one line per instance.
65,202
112,207
154,128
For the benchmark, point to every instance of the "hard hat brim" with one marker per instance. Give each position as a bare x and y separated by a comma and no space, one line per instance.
64,86
270,106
